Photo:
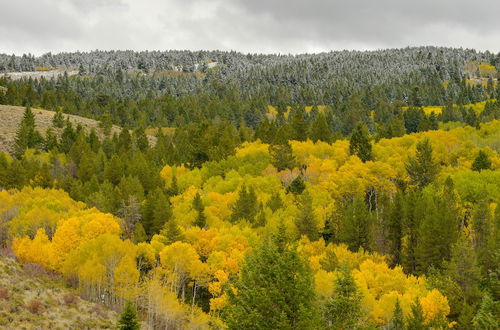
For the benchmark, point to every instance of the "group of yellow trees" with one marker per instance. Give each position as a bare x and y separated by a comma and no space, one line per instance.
166,276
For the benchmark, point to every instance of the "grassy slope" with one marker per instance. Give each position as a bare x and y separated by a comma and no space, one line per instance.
11,116
20,286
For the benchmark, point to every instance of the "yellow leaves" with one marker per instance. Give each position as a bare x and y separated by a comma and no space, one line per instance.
98,223
182,207
35,251
146,255
324,283
203,241
216,304
180,258
184,176
33,208
252,148
126,278
218,210
168,172
382,286
434,305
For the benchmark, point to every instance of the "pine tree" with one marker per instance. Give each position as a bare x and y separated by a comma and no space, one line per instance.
201,220
360,144
297,186
260,219
343,309
422,169
430,245
141,140
320,130
414,212
483,232
172,231
156,211
68,137
282,156
139,234
58,119
481,162
395,228
128,318
275,202
463,268
416,319
51,142
487,315
274,291
27,136
299,127
356,226
246,206
397,322
306,222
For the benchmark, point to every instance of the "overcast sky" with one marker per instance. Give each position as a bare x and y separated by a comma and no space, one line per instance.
255,26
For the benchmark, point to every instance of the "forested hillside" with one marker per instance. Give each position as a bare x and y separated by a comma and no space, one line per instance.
345,190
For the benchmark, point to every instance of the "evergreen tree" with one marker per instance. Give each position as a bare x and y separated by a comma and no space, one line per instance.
274,291
397,322
343,309
395,228
422,169
128,318
483,233
416,319
68,137
282,156
141,140
481,162
412,118
156,211
430,245
299,129
306,222
360,144
172,231
356,226
246,205
463,269
139,234
261,219
439,227
414,212
275,202
320,130
51,142
27,136
297,186
201,220
487,315
58,119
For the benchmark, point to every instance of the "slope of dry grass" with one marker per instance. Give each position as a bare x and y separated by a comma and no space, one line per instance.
31,298
11,116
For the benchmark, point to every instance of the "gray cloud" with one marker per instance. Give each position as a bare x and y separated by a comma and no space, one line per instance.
291,26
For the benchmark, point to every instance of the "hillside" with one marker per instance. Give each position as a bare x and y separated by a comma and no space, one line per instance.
11,116
31,299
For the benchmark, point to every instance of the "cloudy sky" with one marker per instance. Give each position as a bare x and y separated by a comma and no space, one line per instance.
263,26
